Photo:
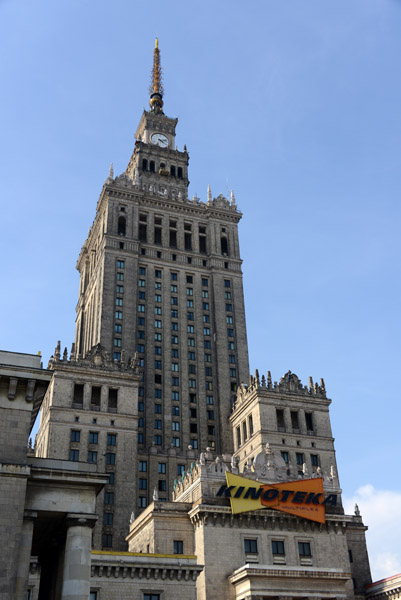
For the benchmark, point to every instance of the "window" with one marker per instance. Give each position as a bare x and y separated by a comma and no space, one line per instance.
192,413
278,547
107,520
157,440
140,406
74,455
280,419
140,348
180,469
93,437
140,438
190,316
190,291
176,442
229,320
176,425
111,439
208,371
112,400
175,381
142,283
158,286
250,546
158,298
294,421
205,305
227,283
205,282
112,479
238,430
191,355
210,429
95,397
150,597
178,547
210,415
158,424
158,324
314,458
188,241
192,397
304,549
174,339
120,264
143,483
118,328
309,422
230,332
175,411
284,456
141,321
141,307
193,428
174,353
158,364
190,329
227,295
162,485
206,318
207,345
205,294
194,443
208,386
110,458
209,400
158,310
158,409
143,466
119,289
75,436
190,303
233,373
158,393
191,341
192,383
174,314
107,540
118,315
174,276
158,273
300,458
229,307
92,456
109,497
141,422
174,326
142,503
206,331
158,350
162,468
174,366
174,299
117,342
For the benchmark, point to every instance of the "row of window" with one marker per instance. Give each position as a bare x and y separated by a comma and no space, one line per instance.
283,424
92,456
176,441
162,468
95,397
278,548
75,436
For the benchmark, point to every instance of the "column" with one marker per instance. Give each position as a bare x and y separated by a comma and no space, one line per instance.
24,554
77,559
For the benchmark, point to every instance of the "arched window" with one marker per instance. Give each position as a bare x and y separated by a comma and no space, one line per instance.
152,166
172,171
179,172
121,225
224,246
144,164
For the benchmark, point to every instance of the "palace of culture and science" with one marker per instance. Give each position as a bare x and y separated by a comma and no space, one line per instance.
161,468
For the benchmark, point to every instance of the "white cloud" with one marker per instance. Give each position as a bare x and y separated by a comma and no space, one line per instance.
381,512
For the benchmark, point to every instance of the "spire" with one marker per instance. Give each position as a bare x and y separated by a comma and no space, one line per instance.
156,86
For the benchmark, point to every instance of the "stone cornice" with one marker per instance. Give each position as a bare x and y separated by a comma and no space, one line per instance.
248,571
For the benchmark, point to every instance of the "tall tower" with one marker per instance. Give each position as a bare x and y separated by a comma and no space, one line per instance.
161,278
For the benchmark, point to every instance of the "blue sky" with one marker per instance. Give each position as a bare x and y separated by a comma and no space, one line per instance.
295,106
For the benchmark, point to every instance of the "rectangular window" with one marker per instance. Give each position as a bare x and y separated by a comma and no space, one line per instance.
158,364
209,400
143,466
162,485
278,548
142,283
205,294
175,381
192,398
174,367
107,520
227,295
158,285
190,316
119,301
118,328
251,546
120,264
158,393
95,397
205,305
206,331
75,436
193,428
173,288
294,421
180,469
174,353
158,298
229,320
117,342
119,289
118,315
309,422
140,348
158,350
120,276
162,468
190,291
176,442
141,308
111,439
92,457
192,413
158,324
284,456
174,339
250,425
238,430
143,483
194,443
110,458
175,411
175,396
314,458
74,455
158,337
158,409
107,540
157,440
209,385
191,355
174,300
300,458
142,503
141,321
280,419
178,547
304,549
210,429
231,358
230,332
174,276
208,371
158,424
233,372
174,314
109,497
158,310
158,273
210,415
140,438
140,406
205,282
227,283
174,326
176,426
93,437
112,400
192,383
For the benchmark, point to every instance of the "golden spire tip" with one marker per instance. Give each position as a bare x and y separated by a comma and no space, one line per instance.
157,43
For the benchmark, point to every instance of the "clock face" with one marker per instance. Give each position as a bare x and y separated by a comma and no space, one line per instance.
160,140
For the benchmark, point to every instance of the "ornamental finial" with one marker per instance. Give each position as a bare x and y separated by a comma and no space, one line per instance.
156,86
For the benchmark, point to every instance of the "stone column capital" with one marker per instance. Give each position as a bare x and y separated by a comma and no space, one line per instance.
81,520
